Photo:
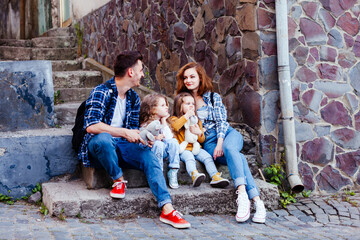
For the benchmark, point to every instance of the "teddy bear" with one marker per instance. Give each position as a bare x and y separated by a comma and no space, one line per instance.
149,132
190,137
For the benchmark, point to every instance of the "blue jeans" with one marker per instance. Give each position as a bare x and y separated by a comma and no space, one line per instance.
233,158
167,148
111,153
203,157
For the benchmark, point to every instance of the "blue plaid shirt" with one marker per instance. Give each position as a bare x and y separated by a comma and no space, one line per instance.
99,109
217,115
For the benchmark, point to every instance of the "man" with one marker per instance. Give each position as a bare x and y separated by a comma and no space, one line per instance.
112,139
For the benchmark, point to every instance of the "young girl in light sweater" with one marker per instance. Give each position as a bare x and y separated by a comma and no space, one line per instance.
155,107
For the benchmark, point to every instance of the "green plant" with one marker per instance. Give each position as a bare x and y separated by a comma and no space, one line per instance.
305,193
7,199
62,216
349,192
275,174
287,198
43,209
57,97
37,188
79,35
147,79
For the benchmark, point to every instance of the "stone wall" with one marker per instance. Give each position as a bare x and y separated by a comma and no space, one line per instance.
325,68
236,43
218,34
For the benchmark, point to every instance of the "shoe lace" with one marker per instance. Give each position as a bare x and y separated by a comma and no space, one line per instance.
178,214
239,196
119,183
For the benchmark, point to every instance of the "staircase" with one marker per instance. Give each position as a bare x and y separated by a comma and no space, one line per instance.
72,85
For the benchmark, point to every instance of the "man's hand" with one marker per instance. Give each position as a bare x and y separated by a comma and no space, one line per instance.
132,135
160,137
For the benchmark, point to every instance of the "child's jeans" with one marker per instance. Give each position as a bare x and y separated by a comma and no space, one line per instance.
167,148
203,157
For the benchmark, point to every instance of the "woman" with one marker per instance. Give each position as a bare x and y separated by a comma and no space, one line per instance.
222,141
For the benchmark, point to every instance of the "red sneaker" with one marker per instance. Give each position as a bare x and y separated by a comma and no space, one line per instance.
118,189
174,219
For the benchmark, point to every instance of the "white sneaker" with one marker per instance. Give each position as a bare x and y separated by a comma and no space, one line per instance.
243,211
260,214
172,176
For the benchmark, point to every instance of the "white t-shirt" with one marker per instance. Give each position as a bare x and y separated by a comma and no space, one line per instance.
119,113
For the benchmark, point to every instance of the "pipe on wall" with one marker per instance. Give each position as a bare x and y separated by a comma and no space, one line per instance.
286,96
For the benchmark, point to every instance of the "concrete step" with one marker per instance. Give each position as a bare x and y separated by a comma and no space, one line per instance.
66,65
56,32
41,42
25,53
54,53
15,42
65,95
34,156
72,198
66,113
15,53
77,79
54,42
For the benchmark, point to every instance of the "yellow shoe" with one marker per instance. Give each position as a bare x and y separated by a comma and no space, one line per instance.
219,182
197,178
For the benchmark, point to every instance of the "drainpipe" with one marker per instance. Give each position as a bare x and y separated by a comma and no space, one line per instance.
286,96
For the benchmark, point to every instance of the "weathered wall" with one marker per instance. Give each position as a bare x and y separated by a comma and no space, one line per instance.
9,19
236,43
26,95
325,67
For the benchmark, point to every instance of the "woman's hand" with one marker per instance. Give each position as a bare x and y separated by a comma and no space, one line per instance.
218,152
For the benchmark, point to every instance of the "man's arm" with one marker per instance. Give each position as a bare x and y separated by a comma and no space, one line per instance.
132,135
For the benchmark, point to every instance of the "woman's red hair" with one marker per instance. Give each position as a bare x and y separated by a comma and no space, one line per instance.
205,81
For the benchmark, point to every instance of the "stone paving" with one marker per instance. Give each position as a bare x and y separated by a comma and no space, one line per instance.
326,217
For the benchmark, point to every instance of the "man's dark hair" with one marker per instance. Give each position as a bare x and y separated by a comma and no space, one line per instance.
124,61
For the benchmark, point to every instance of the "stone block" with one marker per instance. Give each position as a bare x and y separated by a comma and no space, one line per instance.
34,156
26,99
74,198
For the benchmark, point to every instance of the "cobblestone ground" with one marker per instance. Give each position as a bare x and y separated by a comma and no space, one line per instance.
330,217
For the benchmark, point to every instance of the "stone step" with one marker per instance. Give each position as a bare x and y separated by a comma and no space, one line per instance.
77,79
72,198
54,53
54,42
15,53
66,113
34,156
41,42
25,53
15,42
66,65
65,95
56,32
